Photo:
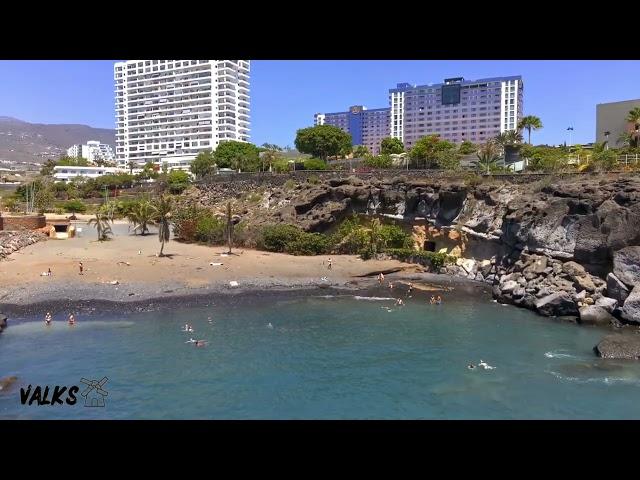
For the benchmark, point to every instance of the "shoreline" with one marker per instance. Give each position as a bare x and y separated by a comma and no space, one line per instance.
131,298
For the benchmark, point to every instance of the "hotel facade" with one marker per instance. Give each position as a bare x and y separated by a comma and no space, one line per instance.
177,108
457,109
366,127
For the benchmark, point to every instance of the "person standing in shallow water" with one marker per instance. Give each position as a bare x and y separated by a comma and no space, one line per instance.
72,319
81,267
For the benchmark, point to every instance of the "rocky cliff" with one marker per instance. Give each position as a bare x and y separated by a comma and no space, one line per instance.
562,247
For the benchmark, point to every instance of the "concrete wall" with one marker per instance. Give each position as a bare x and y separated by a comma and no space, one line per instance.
611,117
22,222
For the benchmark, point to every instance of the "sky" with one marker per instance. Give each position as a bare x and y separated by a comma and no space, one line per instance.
285,94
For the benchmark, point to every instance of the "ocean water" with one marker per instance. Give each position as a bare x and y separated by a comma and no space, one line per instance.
321,357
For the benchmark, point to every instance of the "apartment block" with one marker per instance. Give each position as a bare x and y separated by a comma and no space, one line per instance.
366,127
611,118
457,109
93,151
177,108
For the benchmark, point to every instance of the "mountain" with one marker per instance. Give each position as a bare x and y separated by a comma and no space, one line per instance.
36,142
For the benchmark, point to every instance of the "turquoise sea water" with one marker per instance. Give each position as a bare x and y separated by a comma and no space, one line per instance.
323,358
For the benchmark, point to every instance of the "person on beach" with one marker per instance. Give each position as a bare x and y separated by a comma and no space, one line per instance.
380,278
72,319
399,302
329,264
439,300
49,272
47,319
409,290
390,286
81,268
433,300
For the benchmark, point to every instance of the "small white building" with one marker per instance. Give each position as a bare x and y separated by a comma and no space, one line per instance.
93,151
65,174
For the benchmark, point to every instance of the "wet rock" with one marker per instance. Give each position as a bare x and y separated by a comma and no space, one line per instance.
557,304
631,307
537,266
620,346
509,286
626,266
593,315
3,322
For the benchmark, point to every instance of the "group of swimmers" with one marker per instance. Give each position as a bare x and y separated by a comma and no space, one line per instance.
435,300
482,364
48,319
197,343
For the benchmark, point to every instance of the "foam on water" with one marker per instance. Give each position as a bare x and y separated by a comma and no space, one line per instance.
559,355
373,299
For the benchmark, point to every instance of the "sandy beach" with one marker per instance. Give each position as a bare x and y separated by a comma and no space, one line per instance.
127,269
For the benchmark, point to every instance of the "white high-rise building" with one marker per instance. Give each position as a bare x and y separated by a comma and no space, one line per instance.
178,108
93,151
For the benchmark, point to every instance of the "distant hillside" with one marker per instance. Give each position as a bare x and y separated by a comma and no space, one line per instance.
36,142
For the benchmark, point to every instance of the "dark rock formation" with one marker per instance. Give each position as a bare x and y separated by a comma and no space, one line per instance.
631,307
616,289
558,304
594,315
626,265
3,322
625,346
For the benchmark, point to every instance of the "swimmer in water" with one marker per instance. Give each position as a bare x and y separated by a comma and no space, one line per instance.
439,300
47,319
380,278
390,286
433,300
209,320
269,325
471,366
72,319
399,302
201,343
484,365
191,340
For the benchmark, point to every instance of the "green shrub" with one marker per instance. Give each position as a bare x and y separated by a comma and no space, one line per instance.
178,181
254,197
281,165
313,179
435,259
309,244
380,161
276,237
289,184
315,164
185,221
394,236
74,206
472,179
209,229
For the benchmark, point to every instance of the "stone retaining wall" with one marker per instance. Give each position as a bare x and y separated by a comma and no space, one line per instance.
13,241
22,222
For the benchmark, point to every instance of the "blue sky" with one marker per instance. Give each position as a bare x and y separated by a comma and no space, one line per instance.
285,94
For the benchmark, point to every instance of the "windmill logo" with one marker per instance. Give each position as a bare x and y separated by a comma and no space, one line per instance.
94,393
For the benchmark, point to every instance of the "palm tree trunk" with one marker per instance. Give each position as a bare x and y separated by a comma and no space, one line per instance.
161,247
529,130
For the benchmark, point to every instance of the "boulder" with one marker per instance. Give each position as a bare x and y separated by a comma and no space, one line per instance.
509,286
619,346
616,289
631,307
3,322
573,269
609,304
557,304
593,315
538,265
6,382
626,265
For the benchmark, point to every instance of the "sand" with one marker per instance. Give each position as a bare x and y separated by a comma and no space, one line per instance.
115,271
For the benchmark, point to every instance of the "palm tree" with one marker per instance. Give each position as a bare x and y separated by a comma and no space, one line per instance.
162,218
625,139
101,222
131,165
488,157
141,216
634,118
530,122
229,227
510,141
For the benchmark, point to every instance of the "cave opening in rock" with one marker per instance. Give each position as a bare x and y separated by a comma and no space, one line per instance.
429,246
